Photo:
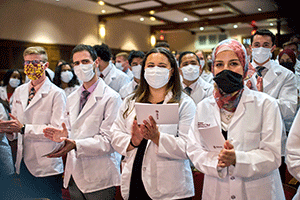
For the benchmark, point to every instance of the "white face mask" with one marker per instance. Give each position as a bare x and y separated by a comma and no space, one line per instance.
202,63
136,70
261,54
157,77
85,72
66,76
119,66
190,72
14,82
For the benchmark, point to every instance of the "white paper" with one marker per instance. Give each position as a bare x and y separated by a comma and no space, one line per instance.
162,113
213,138
56,149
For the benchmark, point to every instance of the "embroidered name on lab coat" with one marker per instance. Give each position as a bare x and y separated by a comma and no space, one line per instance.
203,125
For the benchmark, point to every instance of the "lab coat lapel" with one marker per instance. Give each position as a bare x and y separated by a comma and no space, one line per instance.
98,93
24,97
74,105
44,90
270,78
240,110
215,111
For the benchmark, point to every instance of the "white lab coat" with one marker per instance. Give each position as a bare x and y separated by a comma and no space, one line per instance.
207,76
3,95
166,172
292,157
116,78
281,84
201,90
45,110
94,165
255,132
127,89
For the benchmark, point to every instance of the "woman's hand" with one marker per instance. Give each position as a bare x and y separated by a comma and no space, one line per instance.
227,155
150,131
136,135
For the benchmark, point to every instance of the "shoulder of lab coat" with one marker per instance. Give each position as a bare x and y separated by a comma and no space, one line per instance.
254,151
3,93
116,78
293,148
202,90
127,89
99,143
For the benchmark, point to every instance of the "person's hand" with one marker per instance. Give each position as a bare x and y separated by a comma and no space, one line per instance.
56,134
249,84
259,84
227,155
69,145
150,130
11,126
136,135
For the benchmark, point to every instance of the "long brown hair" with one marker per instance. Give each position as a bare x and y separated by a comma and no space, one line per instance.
142,93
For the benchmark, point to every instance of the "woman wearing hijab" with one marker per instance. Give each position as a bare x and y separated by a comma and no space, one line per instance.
155,165
246,167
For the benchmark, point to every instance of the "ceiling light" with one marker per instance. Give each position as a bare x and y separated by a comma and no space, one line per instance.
271,24
210,9
152,18
152,12
235,26
185,19
103,11
201,28
57,0
142,19
259,9
101,3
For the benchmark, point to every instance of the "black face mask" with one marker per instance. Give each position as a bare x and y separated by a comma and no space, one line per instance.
288,65
229,81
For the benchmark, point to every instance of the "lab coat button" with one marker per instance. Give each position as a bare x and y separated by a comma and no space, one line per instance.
232,178
232,196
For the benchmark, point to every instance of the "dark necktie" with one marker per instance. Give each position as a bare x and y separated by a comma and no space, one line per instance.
259,70
83,99
31,95
101,75
188,90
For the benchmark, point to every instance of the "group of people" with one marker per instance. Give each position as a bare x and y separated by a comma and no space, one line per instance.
87,116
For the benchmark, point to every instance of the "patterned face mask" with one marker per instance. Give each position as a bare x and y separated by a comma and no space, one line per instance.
34,71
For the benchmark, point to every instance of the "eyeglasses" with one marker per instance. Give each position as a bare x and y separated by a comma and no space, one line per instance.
34,62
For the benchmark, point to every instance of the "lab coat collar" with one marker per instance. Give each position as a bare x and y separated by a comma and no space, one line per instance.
270,78
240,110
97,94
112,74
44,90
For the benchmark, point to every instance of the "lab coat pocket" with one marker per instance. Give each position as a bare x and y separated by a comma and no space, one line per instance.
260,189
170,176
95,169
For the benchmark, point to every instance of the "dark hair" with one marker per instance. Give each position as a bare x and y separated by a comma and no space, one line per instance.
135,54
187,52
103,52
83,47
264,32
8,74
162,44
57,76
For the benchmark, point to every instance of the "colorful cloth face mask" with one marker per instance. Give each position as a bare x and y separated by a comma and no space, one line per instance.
34,71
